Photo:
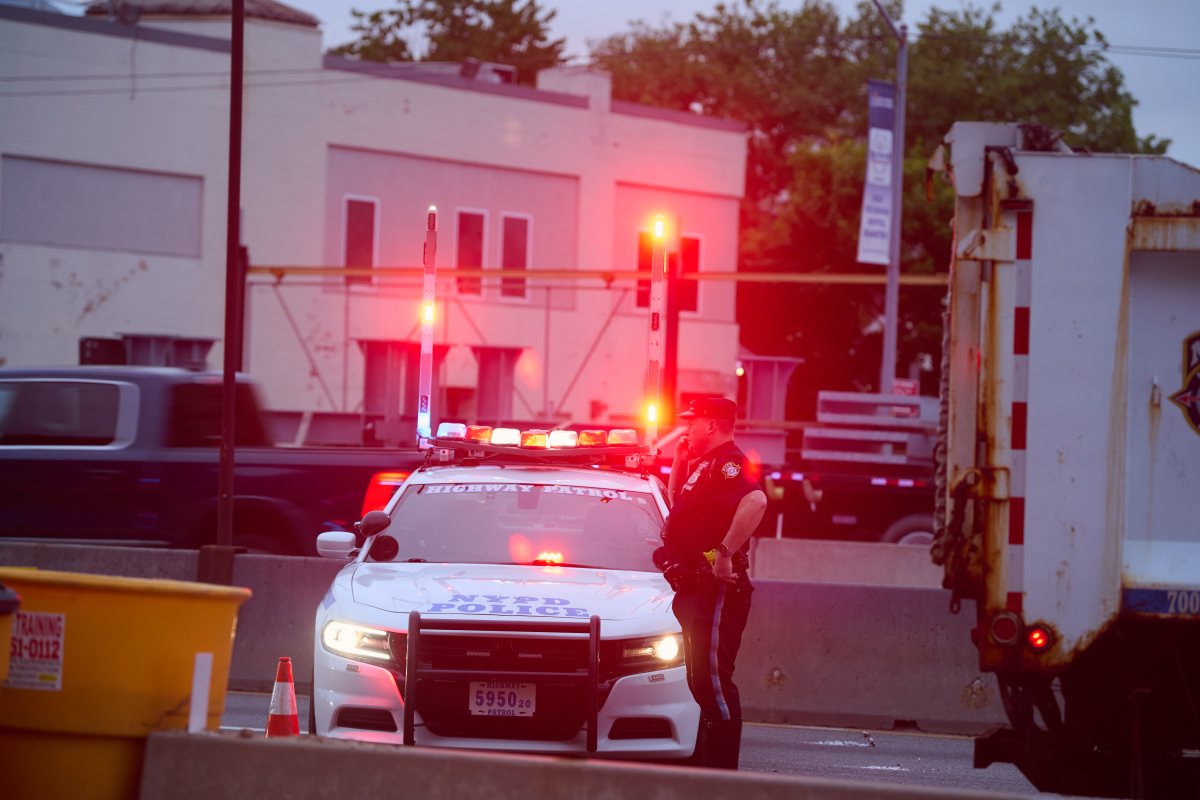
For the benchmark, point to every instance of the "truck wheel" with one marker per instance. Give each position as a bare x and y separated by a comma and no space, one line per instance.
915,529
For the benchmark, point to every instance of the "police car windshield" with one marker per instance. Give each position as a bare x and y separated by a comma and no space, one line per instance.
526,523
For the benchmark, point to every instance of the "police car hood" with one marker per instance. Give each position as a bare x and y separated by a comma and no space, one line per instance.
511,590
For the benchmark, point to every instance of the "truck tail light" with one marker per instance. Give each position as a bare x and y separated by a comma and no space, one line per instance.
1038,638
381,488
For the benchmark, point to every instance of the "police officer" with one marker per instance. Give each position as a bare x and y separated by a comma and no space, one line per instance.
716,505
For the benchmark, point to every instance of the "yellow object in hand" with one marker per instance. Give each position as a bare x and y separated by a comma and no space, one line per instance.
711,555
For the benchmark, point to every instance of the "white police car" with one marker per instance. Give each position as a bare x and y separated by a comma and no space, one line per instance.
507,601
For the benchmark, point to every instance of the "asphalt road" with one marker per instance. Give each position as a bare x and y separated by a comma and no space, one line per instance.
905,758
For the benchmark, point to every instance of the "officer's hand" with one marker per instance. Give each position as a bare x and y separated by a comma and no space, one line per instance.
723,569
683,452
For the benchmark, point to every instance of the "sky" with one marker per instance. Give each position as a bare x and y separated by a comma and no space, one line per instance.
1167,88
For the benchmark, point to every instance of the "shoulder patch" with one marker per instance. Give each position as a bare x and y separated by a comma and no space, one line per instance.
731,469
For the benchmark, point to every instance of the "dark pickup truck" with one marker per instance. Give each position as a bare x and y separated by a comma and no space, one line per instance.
129,455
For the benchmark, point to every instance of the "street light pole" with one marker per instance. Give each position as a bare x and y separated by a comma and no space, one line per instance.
891,298
215,563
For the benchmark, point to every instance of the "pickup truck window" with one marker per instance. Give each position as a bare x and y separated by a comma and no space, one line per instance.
195,419
58,413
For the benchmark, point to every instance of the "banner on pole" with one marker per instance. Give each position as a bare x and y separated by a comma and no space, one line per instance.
875,225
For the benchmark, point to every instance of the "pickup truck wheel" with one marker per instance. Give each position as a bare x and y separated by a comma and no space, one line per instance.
261,533
915,529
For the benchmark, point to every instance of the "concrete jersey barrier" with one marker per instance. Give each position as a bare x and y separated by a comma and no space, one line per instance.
203,766
833,654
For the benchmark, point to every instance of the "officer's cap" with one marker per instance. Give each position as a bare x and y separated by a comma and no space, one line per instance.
719,408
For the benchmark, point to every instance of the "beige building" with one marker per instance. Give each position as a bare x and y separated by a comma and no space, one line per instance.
114,141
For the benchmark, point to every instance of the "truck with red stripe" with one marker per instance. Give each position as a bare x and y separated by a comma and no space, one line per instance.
1069,455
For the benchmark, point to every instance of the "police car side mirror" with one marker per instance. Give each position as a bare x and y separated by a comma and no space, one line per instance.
372,523
336,544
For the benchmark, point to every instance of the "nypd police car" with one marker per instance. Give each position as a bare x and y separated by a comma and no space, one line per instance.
505,599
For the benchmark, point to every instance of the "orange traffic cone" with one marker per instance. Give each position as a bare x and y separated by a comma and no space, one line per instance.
282,719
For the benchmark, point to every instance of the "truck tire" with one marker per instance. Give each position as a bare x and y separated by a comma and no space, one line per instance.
915,529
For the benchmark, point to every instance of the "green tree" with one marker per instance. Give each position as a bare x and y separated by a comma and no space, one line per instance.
798,79
513,32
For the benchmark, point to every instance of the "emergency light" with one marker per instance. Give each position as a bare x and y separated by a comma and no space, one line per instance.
593,438
535,438
505,436
564,438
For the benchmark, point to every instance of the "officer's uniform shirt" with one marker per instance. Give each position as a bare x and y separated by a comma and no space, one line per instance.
705,505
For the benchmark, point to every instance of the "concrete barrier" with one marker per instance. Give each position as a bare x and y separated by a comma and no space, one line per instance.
869,563
863,656
813,653
182,766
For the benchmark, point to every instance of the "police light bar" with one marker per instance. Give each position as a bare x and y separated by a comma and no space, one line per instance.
536,438
591,446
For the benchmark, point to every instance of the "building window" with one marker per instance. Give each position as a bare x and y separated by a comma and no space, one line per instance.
689,264
687,261
514,254
645,255
360,236
470,249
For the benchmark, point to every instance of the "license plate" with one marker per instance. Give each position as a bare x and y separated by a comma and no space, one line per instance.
501,698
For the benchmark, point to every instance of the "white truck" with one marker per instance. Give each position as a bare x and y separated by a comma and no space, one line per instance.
1069,471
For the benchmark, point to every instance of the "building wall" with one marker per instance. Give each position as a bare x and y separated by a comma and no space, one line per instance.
51,295
588,174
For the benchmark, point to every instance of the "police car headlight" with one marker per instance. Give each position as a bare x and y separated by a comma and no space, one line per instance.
355,640
655,652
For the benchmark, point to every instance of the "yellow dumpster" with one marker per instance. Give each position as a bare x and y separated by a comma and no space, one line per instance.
10,601
98,663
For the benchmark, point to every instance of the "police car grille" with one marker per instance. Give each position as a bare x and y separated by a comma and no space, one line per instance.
503,653
560,707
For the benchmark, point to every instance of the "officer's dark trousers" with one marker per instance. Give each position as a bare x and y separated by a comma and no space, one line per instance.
713,617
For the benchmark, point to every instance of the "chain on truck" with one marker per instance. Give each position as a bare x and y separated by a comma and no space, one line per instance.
1071,467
